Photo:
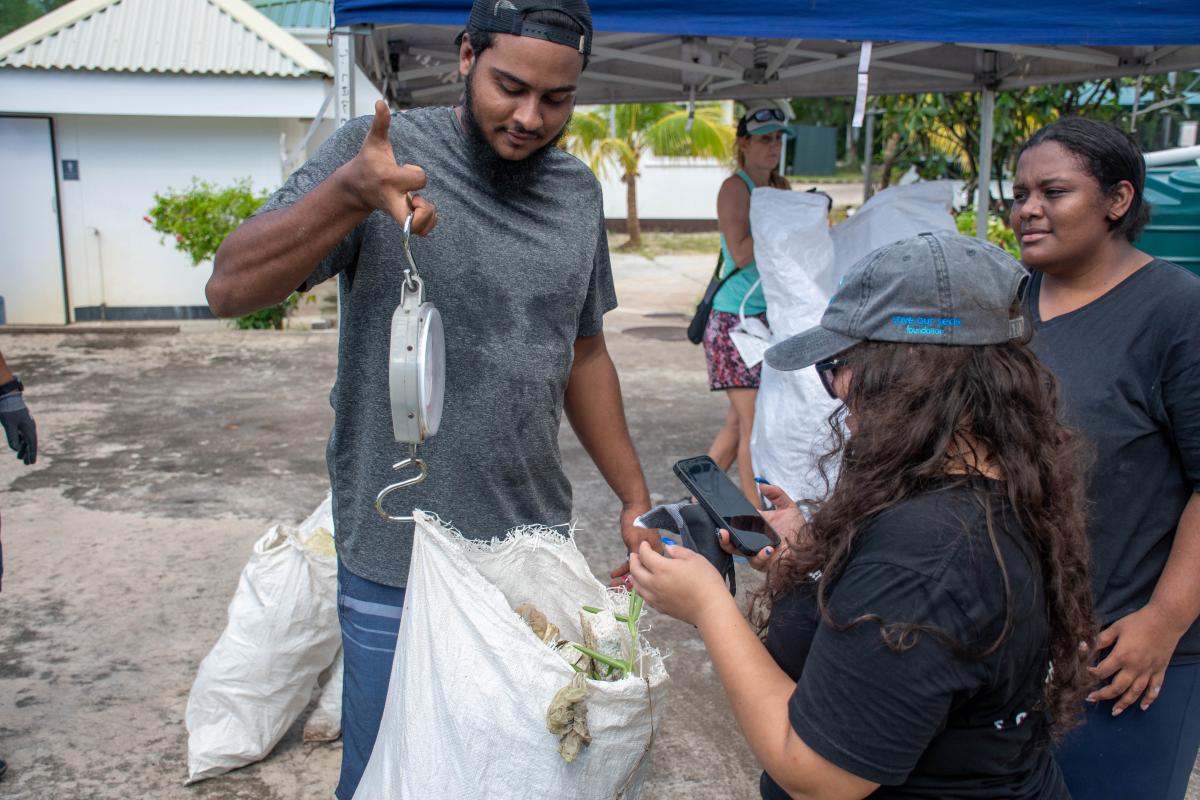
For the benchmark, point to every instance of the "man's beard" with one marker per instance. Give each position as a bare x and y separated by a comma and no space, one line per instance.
505,175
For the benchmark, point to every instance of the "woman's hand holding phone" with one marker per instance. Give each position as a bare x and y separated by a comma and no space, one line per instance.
786,519
759,561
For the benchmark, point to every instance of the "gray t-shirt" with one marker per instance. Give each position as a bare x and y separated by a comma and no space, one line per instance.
516,277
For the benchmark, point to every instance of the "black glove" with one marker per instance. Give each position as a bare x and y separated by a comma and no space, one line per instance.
19,427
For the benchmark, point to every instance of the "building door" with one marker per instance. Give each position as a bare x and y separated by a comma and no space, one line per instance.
31,266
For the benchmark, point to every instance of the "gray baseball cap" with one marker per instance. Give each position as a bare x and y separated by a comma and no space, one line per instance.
934,288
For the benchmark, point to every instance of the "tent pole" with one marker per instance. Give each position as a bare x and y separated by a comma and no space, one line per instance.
986,112
868,146
343,76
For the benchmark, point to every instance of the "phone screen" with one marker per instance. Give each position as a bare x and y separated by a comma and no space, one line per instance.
722,498
750,522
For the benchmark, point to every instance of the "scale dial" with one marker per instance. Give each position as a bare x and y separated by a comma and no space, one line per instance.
416,372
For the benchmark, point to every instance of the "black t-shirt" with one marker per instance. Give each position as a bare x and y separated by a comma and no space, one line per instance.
1128,364
932,721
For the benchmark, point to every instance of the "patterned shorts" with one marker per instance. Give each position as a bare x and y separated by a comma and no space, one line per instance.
726,369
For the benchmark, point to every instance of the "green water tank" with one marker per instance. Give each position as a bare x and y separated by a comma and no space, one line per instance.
1174,229
814,150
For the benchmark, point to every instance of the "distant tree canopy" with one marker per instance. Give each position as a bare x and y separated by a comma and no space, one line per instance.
938,134
17,13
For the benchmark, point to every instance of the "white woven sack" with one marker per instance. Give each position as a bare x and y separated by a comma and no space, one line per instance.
795,258
465,715
324,724
321,517
889,216
282,632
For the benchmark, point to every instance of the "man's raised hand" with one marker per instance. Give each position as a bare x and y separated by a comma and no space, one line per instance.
376,181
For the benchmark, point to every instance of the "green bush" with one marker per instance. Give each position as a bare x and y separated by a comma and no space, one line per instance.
272,317
200,218
998,233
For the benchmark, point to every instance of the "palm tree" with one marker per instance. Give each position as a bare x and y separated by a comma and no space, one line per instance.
620,135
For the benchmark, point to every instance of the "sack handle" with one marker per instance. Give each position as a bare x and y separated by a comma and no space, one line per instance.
742,307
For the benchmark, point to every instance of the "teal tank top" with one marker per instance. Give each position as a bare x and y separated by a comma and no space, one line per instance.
729,298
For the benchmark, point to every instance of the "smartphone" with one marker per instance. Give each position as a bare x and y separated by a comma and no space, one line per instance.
725,504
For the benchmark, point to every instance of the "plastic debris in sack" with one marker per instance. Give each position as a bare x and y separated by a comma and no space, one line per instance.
416,374
591,660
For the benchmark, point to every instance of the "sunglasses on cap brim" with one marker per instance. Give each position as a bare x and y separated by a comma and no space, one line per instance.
765,115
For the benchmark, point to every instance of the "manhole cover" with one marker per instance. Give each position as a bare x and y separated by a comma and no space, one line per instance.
663,333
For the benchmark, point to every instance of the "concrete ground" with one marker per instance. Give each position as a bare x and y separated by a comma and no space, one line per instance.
163,457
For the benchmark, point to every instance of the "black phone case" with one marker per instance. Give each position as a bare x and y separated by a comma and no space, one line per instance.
702,534
713,516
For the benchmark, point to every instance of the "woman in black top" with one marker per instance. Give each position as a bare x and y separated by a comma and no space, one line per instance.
923,630
1121,331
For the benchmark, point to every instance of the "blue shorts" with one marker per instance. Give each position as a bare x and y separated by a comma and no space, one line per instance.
1144,754
369,614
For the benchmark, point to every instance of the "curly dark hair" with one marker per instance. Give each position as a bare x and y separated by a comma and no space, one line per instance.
922,412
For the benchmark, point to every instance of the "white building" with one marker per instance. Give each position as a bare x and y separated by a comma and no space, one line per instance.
105,102
672,193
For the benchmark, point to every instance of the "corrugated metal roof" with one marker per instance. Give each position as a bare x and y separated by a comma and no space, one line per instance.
295,13
201,37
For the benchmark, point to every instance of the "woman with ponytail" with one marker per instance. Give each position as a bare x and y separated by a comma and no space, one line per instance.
759,140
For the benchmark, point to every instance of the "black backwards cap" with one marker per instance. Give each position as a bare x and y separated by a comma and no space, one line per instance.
508,16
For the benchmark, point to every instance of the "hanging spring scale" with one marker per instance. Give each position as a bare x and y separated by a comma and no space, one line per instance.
416,375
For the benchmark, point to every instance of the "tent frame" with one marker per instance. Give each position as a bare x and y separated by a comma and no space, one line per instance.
708,68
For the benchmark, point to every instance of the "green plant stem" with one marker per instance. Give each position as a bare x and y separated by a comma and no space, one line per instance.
635,612
594,610
636,602
601,657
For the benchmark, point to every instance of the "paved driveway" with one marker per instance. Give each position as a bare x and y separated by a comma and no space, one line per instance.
164,457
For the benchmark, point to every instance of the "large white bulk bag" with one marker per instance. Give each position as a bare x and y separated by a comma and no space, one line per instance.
471,683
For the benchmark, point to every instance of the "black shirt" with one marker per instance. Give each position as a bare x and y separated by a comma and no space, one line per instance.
1128,364
932,721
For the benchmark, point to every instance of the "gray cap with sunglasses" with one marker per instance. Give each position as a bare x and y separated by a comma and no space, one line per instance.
933,288
762,119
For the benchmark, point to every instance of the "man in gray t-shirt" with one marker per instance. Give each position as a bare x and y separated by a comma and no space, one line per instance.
515,257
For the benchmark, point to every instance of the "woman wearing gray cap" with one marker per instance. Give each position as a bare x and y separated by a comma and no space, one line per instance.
923,629
759,139
1121,331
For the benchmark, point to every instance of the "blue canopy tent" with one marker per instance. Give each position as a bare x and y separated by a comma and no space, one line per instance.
1055,22
674,50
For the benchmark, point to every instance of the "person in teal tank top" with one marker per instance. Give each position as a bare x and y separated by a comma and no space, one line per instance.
759,140
742,286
